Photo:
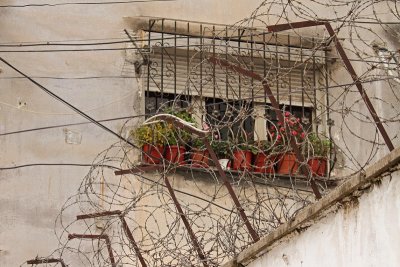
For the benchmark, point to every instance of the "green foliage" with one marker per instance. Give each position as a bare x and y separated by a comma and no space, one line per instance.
149,134
263,145
248,147
320,146
173,135
221,148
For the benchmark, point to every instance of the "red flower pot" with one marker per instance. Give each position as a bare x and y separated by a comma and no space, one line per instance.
175,154
318,166
264,163
288,164
152,154
200,157
242,160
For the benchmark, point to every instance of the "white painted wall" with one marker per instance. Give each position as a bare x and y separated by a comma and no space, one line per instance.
363,234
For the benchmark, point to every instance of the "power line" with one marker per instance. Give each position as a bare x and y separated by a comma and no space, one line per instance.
70,78
65,125
56,164
68,104
83,3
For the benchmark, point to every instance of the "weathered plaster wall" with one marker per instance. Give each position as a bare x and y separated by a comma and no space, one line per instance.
31,197
363,232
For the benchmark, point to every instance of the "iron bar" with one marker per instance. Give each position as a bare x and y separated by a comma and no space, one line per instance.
132,241
103,236
124,227
45,261
185,222
98,214
137,169
232,193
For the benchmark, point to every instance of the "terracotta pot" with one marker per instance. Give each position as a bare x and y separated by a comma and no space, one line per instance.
318,166
175,154
288,164
152,154
242,160
200,157
265,163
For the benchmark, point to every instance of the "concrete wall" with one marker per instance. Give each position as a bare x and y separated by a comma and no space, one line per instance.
362,233
357,224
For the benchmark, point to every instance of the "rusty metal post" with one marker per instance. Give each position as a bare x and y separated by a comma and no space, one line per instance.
45,261
106,239
124,227
231,192
132,240
349,67
359,86
275,105
185,222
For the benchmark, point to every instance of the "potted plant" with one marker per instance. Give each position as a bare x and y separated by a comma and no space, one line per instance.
150,138
221,149
319,148
287,160
176,139
265,160
199,154
242,156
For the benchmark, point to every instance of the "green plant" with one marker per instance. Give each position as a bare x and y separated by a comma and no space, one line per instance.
149,134
319,146
174,135
247,147
263,145
221,148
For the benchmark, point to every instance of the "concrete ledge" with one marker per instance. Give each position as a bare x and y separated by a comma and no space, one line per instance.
347,188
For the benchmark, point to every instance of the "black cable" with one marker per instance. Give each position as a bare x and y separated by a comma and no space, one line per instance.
70,78
89,3
69,105
69,124
56,164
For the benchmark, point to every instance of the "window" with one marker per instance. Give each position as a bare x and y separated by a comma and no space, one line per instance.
225,114
178,69
155,101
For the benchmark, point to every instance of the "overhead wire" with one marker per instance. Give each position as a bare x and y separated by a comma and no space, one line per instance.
84,3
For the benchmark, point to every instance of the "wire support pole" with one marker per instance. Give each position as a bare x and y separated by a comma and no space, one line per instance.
103,236
185,222
235,199
38,261
125,227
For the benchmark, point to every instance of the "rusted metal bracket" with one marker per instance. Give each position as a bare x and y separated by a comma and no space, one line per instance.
186,222
235,199
275,105
347,63
140,169
38,261
124,226
106,239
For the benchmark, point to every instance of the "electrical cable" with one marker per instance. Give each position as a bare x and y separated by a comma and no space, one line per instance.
83,3
68,104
